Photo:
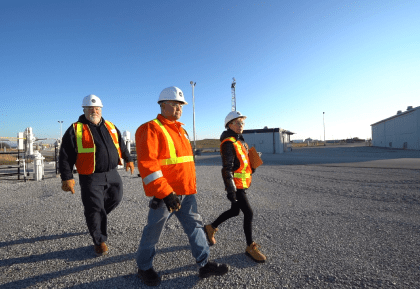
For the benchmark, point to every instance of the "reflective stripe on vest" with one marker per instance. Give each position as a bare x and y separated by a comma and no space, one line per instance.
86,148
242,176
173,159
79,137
114,135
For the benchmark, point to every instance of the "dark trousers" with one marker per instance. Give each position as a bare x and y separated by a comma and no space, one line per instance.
101,193
241,205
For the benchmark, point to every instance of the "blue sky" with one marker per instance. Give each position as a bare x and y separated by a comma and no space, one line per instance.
357,61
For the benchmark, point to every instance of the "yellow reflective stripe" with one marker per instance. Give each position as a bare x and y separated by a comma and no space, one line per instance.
117,144
243,176
172,152
79,136
177,160
238,146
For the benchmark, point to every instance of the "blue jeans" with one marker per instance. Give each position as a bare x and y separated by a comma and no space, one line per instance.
191,222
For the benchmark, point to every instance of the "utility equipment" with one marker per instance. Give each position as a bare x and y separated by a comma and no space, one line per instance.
193,85
26,142
233,94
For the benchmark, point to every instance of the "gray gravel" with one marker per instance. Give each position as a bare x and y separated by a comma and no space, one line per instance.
325,218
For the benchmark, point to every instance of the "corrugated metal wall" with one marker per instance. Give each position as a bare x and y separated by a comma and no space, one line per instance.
263,142
402,131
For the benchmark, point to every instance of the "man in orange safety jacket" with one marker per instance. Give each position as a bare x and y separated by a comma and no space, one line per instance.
94,145
166,164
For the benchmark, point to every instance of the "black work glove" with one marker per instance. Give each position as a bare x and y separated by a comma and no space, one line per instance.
155,203
172,202
231,195
253,170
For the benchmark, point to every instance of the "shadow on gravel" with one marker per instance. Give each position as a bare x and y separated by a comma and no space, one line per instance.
168,280
85,253
240,261
71,255
79,251
132,281
41,238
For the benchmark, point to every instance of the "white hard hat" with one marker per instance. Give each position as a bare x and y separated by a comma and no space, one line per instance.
233,115
172,93
92,100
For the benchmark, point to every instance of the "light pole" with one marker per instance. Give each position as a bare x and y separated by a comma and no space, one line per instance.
193,85
61,131
323,121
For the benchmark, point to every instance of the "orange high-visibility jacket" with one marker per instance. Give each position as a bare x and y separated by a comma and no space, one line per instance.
86,149
242,176
165,158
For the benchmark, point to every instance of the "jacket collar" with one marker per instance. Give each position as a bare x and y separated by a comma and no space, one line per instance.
230,133
84,120
166,121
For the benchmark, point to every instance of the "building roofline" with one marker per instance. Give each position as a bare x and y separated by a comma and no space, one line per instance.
265,130
397,115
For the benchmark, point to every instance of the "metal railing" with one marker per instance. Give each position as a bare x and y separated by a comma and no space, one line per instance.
18,173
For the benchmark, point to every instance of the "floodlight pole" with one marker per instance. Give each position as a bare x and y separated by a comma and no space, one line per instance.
233,92
323,121
61,131
193,85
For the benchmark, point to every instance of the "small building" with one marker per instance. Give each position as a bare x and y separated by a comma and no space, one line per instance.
399,131
268,140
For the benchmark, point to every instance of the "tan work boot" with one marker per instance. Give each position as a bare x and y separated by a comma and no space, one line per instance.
254,252
101,249
210,231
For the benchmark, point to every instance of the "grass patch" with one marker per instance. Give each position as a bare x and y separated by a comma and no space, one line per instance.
8,159
207,143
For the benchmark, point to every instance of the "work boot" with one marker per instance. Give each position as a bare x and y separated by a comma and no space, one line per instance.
149,277
101,249
210,231
212,268
254,252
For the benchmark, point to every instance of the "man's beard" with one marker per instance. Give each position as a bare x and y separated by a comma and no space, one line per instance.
94,118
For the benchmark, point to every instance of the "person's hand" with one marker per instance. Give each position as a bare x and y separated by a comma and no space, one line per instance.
232,197
68,186
129,165
172,202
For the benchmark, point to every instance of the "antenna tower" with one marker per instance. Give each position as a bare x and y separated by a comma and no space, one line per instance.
233,94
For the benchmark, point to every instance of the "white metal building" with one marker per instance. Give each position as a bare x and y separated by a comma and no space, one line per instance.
268,140
399,131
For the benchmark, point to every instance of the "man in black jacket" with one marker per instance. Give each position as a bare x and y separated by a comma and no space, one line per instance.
94,145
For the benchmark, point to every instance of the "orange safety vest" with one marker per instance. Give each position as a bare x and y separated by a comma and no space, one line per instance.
86,149
242,176
165,159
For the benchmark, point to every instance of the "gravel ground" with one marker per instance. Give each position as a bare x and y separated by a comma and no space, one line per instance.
324,217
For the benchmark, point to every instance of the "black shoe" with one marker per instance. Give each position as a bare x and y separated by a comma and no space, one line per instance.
213,268
149,277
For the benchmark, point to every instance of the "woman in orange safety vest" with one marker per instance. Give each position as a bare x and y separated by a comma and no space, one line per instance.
237,176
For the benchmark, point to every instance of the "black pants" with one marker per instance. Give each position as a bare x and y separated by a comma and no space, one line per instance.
241,205
101,193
